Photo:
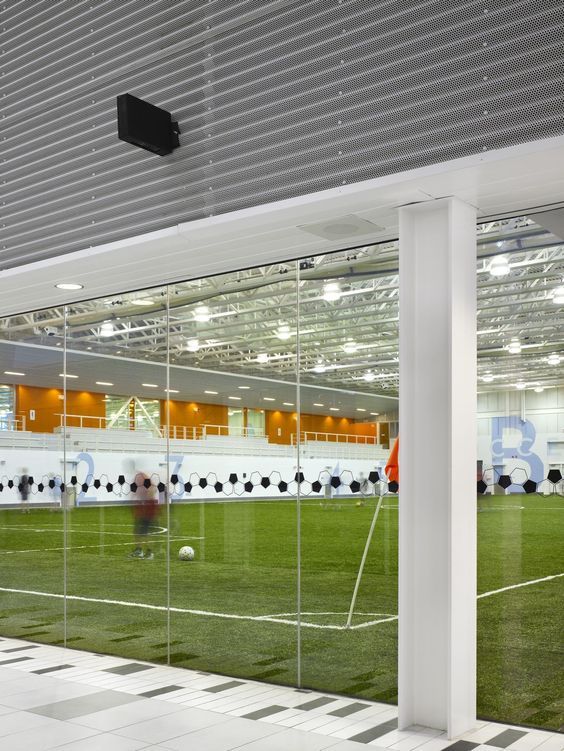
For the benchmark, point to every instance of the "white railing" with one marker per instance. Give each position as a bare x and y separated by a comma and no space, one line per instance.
314,435
12,423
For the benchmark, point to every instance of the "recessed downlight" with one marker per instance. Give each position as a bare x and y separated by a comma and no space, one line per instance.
69,286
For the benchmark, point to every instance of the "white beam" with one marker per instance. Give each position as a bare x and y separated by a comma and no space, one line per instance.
437,558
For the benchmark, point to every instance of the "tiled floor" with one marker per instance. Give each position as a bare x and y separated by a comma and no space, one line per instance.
52,698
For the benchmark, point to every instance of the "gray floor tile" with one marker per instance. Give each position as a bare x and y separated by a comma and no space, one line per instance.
504,739
16,720
82,705
224,686
462,746
356,706
53,669
265,712
19,649
104,742
14,659
315,703
50,736
48,695
376,732
131,667
161,690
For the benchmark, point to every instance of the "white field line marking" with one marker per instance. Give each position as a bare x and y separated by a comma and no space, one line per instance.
522,584
234,616
84,547
80,531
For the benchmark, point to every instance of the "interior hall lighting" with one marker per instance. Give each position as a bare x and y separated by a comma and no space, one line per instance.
262,357
288,404
202,314
558,296
13,372
553,359
360,409
141,301
369,376
350,347
268,399
375,414
334,409
67,375
235,398
107,329
172,391
244,388
192,345
520,385
317,404
104,383
514,347
211,392
319,367
70,286
539,389
284,331
150,385
499,266
487,378
331,291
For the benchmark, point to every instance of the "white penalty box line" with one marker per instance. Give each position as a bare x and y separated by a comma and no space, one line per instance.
281,618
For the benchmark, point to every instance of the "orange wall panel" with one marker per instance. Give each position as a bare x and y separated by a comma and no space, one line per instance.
48,406
193,414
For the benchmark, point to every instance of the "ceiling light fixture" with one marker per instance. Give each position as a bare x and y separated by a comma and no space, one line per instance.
369,376
67,375
107,329
350,347
172,391
375,414
334,409
235,398
244,388
288,404
13,372
150,385
558,296
359,409
262,357
142,301
487,377
521,385
104,383
284,331
268,399
514,346
499,266
319,367
202,314
69,286
553,359
331,291
192,345
211,392
317,404
539,389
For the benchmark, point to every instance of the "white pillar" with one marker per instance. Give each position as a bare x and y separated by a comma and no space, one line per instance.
437,517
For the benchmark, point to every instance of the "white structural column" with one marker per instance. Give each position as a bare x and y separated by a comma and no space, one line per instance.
437,516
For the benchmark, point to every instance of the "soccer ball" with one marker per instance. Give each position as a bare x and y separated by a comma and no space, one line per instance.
186,553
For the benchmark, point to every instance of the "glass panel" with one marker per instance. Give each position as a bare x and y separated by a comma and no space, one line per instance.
31,476
233,514
349,398
520,466
116,467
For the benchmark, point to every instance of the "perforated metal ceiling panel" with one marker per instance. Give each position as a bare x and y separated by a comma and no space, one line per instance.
274,99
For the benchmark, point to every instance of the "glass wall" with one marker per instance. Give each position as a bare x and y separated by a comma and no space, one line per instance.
519,474
206,463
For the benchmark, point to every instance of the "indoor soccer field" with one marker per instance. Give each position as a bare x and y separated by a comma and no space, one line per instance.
234,607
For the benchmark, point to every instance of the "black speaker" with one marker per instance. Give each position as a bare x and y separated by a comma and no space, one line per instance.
146,126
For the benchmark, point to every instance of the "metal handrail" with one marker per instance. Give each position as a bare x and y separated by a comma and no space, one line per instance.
314,435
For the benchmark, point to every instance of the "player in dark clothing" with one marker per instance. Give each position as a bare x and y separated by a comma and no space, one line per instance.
145,512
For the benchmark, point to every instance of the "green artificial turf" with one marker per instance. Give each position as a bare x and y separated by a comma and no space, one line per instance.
245,565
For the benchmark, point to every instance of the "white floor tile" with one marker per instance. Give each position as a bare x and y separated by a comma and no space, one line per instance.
234,733
161,729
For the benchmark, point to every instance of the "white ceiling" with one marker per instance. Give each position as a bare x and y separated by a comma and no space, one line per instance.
504,182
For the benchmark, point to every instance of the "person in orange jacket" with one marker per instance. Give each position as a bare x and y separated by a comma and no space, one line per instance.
392,467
